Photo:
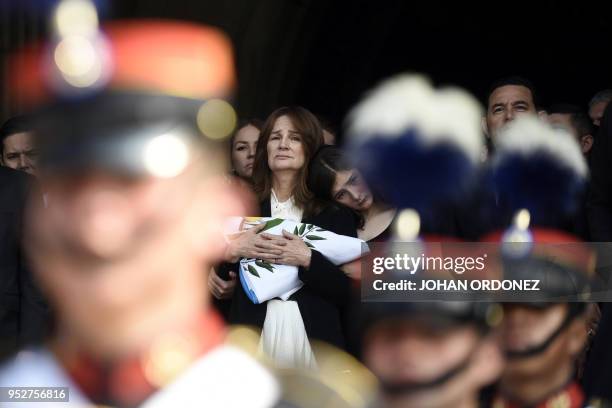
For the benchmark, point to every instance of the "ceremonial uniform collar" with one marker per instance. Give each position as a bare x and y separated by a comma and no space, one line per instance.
130,381
570,396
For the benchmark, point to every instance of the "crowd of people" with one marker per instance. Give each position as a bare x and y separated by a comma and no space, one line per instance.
119,278
546,343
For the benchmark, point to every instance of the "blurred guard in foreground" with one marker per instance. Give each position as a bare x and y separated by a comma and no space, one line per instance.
431,354
136,195
420,147
538,174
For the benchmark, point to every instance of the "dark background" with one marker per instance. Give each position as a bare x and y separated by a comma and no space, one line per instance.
324,54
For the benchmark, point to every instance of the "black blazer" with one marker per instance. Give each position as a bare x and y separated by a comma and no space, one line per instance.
326,291
23,313
599,202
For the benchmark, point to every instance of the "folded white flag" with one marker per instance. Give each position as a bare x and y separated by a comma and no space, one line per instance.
263,281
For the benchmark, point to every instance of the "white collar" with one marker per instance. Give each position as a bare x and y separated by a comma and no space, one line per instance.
286,210
275,201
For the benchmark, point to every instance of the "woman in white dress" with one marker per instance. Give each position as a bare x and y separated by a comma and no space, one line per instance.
289,138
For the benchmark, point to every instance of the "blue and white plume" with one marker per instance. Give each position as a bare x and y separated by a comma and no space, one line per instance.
538,168
415,145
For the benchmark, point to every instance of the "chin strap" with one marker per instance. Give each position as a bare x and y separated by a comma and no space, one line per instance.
574,309
407,387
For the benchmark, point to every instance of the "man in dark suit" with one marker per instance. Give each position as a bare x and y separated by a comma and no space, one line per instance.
23,315
599,204
599,210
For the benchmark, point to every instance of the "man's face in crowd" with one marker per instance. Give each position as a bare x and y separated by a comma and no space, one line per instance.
404,352
121,258
525,328
19,152
505,104
596,112
564,121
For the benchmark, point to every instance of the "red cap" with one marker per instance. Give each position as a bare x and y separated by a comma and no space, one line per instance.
157,56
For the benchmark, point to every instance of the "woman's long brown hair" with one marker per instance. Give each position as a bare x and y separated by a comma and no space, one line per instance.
311,133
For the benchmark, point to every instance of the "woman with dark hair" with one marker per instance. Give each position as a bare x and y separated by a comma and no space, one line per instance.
333,178
289,138
243,145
